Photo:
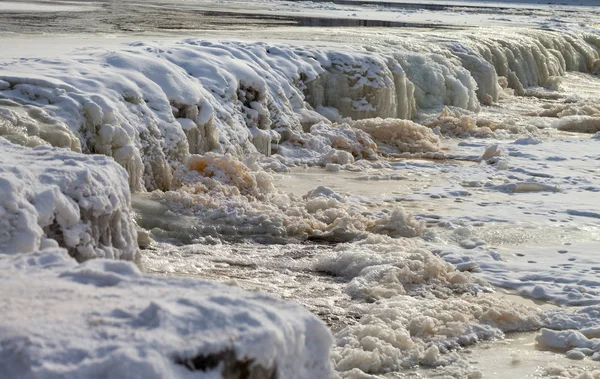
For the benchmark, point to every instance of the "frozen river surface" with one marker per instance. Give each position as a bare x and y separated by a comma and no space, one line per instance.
423,176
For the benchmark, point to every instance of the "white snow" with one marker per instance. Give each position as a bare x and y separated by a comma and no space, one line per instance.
105,319
149,105
54,197
395,237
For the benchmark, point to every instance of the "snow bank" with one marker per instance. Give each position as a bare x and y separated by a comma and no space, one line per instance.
105,319
150,105
54,197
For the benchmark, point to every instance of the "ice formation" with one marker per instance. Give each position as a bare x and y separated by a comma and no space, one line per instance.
149,108
197,124
31,126
150,105
54,197
105,318
583,124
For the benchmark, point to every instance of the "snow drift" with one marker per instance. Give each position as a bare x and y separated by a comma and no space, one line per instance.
54,197
105,319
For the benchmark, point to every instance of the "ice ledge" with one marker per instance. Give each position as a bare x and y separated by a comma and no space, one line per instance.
52,197
105,319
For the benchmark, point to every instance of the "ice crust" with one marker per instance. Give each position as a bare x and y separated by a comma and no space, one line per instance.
54,197
105,319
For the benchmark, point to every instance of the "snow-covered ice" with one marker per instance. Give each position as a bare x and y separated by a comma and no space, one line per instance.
52,197
106,319
426,192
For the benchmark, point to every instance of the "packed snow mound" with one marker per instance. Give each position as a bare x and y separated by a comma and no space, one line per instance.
580,124
577,344
54,197
406,135
105,319
492,151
